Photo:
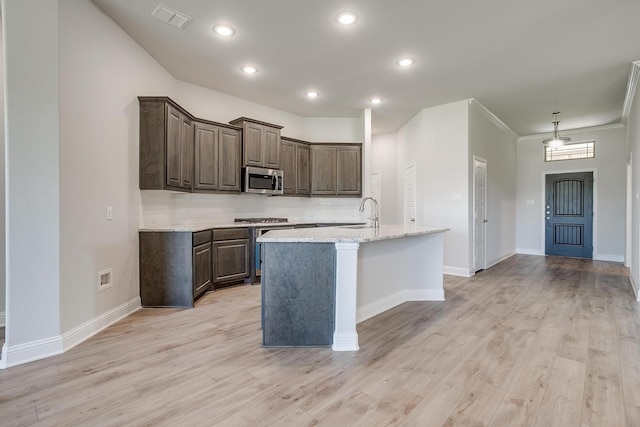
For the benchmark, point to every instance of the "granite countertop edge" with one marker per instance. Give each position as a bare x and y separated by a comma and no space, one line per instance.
347,234
204,226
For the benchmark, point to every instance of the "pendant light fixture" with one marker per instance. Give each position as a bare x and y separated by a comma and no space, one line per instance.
556,141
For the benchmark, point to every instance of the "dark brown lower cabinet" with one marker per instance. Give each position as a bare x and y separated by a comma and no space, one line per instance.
175,267
202,274
230,256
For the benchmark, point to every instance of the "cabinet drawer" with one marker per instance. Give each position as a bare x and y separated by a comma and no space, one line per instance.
201,237
230,234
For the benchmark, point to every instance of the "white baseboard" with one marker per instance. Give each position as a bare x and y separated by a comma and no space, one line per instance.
28,352
424,294
13,355
529,251
3,319
500,259
456,271
596,257
88,329
634,286
345,342
608,257
373,309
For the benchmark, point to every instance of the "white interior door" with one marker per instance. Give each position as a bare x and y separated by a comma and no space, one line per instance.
410,195
376,194
479,213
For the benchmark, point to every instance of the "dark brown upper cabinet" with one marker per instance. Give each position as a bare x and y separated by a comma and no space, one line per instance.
303,161
349,182
207,155
294,162
230,159
261,143
183,153
336,170
217,158
166,145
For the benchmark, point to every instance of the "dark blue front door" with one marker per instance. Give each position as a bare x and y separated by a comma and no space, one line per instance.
569,215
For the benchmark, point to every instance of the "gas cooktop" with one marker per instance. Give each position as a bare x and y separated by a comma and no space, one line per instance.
261,220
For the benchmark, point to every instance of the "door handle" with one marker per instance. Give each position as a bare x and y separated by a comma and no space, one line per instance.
485,220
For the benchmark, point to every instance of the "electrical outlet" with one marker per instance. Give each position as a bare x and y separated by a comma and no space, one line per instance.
109,213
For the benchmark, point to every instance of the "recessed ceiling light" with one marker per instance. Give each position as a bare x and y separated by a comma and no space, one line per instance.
312,93
347,18
224,30
375,100
405,62
249,69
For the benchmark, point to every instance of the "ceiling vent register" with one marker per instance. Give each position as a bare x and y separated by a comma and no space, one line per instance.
173,17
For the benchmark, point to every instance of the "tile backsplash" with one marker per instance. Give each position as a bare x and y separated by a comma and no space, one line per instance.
161,208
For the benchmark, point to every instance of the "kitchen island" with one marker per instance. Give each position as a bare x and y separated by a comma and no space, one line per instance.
319,283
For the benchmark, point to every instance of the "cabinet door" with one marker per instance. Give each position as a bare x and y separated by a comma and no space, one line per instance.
202,267
323,170
303,172
288,163
271,148
174,142
186,156
230,160
206,157
230,260
349,166
253,144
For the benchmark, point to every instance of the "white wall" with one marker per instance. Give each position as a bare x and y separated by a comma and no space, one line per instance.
217,106
609,166
102,72
633,138
436,141
384,162
494,142
3,270
32,173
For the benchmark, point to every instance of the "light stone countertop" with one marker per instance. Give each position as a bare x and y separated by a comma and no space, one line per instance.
208,226
346,234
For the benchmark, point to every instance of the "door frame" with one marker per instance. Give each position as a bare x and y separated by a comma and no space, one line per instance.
543,202
404,193
473,211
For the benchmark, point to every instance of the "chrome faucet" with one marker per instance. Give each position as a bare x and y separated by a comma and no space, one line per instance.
376,217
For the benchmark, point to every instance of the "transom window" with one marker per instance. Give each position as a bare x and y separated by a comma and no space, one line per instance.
571,151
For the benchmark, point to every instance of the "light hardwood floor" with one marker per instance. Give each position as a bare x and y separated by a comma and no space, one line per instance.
532,341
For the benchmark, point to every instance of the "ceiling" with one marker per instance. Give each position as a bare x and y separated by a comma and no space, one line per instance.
521,59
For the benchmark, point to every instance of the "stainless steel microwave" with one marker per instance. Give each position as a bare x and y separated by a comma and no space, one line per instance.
261,180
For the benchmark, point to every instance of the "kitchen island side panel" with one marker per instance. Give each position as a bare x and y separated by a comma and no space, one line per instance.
298,288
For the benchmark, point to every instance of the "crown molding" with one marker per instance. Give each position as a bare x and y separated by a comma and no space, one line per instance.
492,117
634,76
573,131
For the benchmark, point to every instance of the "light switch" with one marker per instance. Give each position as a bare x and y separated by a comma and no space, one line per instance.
530,202
109,213
456,197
